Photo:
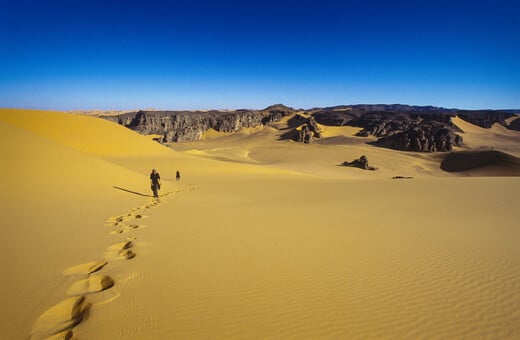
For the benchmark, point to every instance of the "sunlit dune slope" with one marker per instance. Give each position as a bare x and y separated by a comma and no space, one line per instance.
87,134
497,137
56,194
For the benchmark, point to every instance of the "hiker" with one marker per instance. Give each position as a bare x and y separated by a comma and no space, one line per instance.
155,181
178,175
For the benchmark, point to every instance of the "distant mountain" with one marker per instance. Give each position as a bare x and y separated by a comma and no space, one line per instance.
386,107
516,112
278,107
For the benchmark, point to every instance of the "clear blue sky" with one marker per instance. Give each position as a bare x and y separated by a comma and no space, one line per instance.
86,54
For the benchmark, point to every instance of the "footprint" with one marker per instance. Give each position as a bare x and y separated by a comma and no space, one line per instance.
127,254
60,318
121,250
65,335
118,231
120,246
94,284
85,268
114,221
126,229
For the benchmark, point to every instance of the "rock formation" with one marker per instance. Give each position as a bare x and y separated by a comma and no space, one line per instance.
180,126
515,124
302,129
485,118
309,131
423,137
361,162
402,127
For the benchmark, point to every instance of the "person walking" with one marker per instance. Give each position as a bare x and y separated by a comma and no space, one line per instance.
178,175
155,181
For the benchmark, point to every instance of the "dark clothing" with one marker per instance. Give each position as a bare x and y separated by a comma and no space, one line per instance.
155,177
178,175
156,185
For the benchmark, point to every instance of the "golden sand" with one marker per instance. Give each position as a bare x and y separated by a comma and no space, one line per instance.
260,238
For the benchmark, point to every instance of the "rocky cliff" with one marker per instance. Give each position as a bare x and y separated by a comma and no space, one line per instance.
402,127
485,118
180,126
425,136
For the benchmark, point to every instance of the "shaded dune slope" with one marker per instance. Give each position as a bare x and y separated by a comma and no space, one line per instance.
482,162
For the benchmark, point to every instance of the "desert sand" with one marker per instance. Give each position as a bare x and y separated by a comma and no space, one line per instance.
261,237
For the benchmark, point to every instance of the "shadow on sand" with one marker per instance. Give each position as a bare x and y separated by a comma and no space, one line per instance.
132,192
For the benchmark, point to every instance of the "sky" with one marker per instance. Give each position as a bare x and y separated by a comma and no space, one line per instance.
119,55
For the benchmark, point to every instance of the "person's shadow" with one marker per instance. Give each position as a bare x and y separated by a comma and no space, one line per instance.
132,192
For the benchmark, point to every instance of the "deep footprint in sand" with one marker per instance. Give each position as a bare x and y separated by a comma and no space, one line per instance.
65,335
120,246
60,318
114,221
121,250
126,229
127,254
94,284
84,268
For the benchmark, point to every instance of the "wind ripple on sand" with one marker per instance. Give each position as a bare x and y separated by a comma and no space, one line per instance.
446,293
442,291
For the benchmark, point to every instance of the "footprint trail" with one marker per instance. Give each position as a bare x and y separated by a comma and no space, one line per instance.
59,321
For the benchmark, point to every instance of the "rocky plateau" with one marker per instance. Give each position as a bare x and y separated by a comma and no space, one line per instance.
401,127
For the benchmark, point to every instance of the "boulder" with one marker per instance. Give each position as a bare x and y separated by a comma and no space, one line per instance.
361,162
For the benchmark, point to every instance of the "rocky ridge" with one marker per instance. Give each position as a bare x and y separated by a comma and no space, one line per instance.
181,126
401,127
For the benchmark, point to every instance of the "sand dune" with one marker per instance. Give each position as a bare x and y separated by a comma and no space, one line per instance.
261,238
498,137
483,162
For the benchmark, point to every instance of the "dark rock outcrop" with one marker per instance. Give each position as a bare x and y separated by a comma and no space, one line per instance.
179,126
424,137
305,135
485,118
380,124
335,118
302,129
514,125
276,112
402,127
361,162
